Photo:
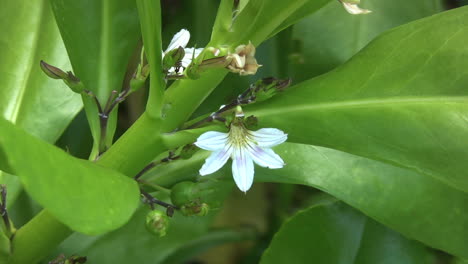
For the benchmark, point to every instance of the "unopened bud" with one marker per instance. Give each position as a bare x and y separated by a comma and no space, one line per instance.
266,88
172,57
140,77
52,71
157,222
195,209
68,78
196,198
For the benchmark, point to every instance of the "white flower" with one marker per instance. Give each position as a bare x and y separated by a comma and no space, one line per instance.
244,147
181,39
353,8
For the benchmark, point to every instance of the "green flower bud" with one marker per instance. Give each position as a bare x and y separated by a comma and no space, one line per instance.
157,222
140,78
197,198
195,209
173,57
183,193
266,88
52,71
68,78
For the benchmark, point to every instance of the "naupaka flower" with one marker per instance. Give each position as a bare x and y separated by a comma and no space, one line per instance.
181,39
244,147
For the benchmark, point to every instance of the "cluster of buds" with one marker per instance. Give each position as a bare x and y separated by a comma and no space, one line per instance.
266,88
190,197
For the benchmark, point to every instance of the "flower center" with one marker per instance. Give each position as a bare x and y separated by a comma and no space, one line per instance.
238,134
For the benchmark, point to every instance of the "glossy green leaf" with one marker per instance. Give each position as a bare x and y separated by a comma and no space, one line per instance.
415,205
401,100
331,36
335,233
207,241
28,97
85,196
100,37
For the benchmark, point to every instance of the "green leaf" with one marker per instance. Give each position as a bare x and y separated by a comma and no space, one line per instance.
207,241
28,97
331,36
86,197
100,37
335,233
415,205
401,100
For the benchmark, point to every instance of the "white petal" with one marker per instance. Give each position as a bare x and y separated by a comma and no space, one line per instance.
212,140
354,9
215,161
266,157
269,137
242,169
189,54
179,40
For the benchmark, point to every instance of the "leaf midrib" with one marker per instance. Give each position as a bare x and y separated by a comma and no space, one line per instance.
365,103
18,100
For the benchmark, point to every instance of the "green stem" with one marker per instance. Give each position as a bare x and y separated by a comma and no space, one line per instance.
33,241
155,187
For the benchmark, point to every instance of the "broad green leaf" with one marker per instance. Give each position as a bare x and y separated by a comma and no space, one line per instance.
28,97
415,205
401,100
85,196
335,233
100,37
331,36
